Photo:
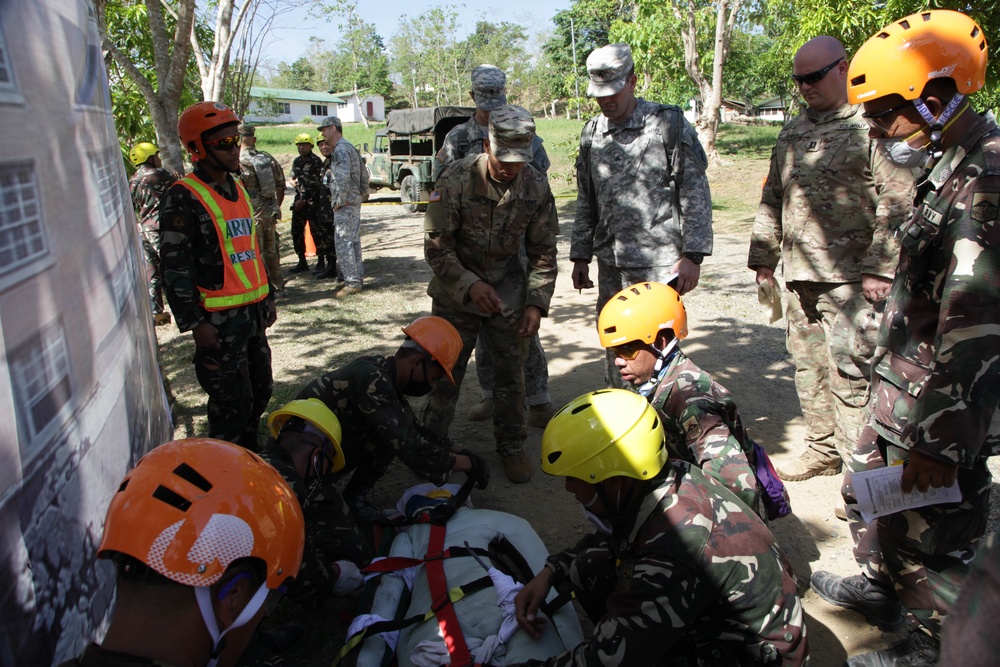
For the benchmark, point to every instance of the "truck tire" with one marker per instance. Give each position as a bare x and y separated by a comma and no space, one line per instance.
409,193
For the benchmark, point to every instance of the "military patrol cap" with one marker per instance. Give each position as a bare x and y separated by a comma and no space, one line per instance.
331,120
512,130
489,84
247,130
608,67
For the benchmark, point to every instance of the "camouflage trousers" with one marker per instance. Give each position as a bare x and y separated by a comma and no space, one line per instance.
332,527
830,334
151,254
922,553
536,372
610,281
510,351
237,379
270,251
320,227
347,221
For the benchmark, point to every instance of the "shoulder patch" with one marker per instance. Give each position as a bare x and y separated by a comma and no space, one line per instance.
985,206
434,196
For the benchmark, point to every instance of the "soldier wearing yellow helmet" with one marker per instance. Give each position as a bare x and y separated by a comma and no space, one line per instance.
307,179
679,571
935,372
147,186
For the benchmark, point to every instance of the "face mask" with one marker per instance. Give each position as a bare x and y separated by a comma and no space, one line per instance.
902,154
602,526
418,387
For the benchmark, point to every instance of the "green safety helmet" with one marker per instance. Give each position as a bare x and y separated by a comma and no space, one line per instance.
142,152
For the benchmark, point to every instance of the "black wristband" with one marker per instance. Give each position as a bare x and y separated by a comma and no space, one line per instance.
695,257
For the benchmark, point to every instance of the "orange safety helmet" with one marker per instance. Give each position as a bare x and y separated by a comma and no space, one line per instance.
441,340
200,118
191,507
640,312
903,56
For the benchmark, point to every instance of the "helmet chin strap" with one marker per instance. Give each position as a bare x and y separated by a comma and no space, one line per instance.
662,361
939,124
204,596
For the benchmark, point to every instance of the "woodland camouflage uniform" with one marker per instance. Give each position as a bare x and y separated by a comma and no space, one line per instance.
147,186
308,174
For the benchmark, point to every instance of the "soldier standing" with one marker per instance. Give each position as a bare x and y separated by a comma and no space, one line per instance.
489,92
345,193
264,181
307,178
643,206
214,277
678,571
828,211
484,209
147,186
330,270
934,399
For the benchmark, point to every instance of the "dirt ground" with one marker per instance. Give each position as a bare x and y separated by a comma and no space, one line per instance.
729,337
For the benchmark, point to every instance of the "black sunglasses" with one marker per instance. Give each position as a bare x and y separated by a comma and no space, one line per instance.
875,119
815,77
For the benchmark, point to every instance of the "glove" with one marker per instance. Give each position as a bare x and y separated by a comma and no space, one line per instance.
350,579
480,470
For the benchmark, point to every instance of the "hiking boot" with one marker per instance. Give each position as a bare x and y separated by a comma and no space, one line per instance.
539,415
807,466
300,267
347,290
517,466
160,319
481,411
320,265
917,650
363,511
879,606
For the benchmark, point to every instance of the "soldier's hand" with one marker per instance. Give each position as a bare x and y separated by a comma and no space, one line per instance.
478,470
765,274
687,275
925,471
530,322
581,275
485,298
270,313
528,600
206,337
875,288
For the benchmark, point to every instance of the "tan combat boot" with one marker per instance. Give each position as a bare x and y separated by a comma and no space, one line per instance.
517,466
807,466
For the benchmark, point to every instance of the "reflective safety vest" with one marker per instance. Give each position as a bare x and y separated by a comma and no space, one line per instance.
244,279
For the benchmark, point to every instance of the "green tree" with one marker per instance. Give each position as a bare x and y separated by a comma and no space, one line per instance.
360,61
426,57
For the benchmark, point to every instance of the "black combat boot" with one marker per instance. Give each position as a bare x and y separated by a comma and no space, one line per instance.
301,266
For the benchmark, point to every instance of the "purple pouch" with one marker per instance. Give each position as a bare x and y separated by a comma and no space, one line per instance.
775,496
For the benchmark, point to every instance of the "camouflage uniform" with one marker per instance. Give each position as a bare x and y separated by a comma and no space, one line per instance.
265,183
327,205
345,191
625,200
236,377
935,378
693,579
463,141
308,175
828,210
703,427
331,532
971,639
474,231
147,186
378,425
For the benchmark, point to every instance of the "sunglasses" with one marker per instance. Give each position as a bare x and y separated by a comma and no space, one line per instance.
876,119
817,76
630,350
223,144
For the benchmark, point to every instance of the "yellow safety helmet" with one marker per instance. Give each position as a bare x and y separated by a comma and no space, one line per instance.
602,434
320,139
142,152
903,56
639,312
304,138
319,415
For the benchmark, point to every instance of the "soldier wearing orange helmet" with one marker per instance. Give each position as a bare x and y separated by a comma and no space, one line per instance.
934,405
368,396
205,537
214,276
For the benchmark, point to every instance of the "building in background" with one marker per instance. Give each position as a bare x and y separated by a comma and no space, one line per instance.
284,105
372,106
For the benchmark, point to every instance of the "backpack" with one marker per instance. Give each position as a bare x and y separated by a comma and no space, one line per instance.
362,172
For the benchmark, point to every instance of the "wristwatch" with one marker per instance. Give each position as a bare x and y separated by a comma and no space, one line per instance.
695,257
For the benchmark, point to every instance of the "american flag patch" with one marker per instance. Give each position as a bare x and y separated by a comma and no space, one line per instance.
434,196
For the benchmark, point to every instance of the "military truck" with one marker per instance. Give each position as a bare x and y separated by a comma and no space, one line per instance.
403,155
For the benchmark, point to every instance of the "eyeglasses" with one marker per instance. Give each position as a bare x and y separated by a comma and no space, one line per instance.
815,77
223,144
875,119
630,350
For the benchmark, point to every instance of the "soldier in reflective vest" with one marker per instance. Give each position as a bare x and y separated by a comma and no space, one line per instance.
214,277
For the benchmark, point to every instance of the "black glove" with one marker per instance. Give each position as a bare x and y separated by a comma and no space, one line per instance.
480,470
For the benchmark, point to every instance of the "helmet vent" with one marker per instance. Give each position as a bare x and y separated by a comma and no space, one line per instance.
189,474
858,80
123,485
610,330
656,424
171,498
553,457
905,25
580,408
883,35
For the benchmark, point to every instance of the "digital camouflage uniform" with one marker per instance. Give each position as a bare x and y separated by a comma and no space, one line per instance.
331,532
462,141
265,183
147,186
935,377
692,577
308,175
378,425
237,377
828,211
703,426
625,200
474,230
345,192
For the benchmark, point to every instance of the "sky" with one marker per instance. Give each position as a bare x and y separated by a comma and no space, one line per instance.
290,37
